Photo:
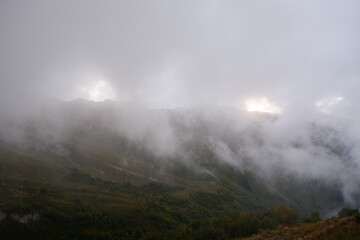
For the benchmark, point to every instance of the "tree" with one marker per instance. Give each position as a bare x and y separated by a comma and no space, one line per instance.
347,212
285,214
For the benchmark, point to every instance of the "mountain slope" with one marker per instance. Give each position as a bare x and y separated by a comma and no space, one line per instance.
82,163
330,229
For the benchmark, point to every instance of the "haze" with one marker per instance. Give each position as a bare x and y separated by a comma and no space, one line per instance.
169,54
296,60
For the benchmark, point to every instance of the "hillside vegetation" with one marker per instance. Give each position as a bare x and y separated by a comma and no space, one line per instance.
330,229
81,179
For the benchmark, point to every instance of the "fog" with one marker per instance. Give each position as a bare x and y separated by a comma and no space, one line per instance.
193,66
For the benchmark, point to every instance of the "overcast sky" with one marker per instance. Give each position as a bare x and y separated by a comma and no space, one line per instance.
298,58
178,53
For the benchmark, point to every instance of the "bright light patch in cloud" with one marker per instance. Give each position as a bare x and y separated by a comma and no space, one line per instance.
100,92
326,105
261,105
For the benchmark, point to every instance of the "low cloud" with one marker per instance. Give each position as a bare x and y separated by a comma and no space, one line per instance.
182,72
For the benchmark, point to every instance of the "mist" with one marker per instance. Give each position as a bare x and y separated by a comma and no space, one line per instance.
183,73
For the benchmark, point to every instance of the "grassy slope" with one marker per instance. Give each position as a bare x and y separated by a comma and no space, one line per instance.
331,229
130,183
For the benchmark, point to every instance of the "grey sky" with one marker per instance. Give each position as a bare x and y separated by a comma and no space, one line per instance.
175,53
302,55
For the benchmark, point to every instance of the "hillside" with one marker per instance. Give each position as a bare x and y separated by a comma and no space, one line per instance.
330,229
83,174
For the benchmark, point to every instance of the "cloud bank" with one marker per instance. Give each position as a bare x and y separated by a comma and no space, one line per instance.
199,58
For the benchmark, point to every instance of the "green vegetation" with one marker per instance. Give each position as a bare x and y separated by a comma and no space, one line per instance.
348,212
330,229
91,194
232,224
286,215
313,217
156,211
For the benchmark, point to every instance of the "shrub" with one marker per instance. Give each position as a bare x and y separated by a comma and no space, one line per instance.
285,214
347,212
